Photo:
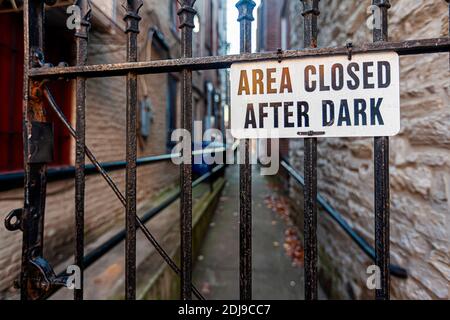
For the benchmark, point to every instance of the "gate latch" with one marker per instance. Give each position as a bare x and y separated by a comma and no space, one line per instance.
41,279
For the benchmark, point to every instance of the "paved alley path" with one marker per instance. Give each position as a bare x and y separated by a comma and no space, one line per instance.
216,272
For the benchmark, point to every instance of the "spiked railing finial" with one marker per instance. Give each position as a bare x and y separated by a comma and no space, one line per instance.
382,3
245,8
310,7
187,13
132,17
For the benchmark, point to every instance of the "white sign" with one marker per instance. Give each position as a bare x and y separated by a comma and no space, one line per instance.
321,97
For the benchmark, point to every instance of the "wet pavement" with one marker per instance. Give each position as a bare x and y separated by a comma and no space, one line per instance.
216,271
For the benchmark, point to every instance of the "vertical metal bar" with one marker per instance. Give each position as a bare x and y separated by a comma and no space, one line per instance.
381,173
132,29
310,14
245,19
81,41
186,15
35,173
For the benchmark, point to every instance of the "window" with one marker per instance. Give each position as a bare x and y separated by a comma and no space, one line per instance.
11,65
173,9
108,8
284,33
171,114
209,26
196,24
209,122
260,40
285,27
197,37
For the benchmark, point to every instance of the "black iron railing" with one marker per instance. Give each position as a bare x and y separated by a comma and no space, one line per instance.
14,180
95,254
36,174
395,270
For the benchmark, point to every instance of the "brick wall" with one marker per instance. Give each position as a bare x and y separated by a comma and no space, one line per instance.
270,21
419,160
105,135
269,39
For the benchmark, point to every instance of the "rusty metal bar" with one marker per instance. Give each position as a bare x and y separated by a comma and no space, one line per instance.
186,15
245,18
310,15
381,173
403,48
132,29
32,220
81,41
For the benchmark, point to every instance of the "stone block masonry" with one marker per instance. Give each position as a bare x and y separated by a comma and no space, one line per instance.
419,159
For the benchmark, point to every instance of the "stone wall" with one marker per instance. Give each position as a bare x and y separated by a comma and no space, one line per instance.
419,159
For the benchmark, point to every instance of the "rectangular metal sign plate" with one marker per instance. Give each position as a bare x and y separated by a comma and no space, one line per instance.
317,97
41,142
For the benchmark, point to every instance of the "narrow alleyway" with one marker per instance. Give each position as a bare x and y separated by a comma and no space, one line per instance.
216,272
277,252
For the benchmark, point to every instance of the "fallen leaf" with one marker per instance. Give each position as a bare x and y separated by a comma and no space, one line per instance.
206,288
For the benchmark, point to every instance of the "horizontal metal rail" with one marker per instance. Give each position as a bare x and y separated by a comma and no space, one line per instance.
409,47
395,270
13,180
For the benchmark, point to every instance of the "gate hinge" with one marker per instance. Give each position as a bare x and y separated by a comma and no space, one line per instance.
42,279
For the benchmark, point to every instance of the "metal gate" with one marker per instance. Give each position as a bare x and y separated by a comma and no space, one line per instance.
37,278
